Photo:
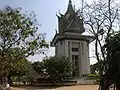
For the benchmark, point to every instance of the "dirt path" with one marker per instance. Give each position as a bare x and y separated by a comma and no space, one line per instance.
80,87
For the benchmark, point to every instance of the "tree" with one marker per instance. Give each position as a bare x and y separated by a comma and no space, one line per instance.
113,52
38,67
95,67
19,38
57,67
21,69
101,18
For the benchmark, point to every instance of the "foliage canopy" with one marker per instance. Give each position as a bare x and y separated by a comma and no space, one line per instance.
54,67
19,38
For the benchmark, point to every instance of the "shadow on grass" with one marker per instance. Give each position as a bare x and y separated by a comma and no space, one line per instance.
42,86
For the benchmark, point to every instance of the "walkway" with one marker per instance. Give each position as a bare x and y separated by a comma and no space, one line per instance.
78,87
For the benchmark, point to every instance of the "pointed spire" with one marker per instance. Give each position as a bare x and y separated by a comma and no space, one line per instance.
70,2
70,7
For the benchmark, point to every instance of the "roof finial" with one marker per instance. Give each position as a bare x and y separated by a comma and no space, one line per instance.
70,7
70,2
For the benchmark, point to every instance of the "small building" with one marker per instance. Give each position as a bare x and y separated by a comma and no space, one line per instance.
70,42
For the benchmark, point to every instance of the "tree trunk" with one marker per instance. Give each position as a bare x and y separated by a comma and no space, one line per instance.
3,82
10,81
19,79
114,87
117,83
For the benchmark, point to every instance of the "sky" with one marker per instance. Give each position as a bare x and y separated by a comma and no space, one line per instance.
45,11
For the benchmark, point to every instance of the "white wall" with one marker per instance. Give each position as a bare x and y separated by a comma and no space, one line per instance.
64,48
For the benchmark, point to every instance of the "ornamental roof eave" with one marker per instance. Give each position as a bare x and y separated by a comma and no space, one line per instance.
71,37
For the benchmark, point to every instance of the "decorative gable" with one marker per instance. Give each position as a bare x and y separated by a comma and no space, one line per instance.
71,21
73,25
